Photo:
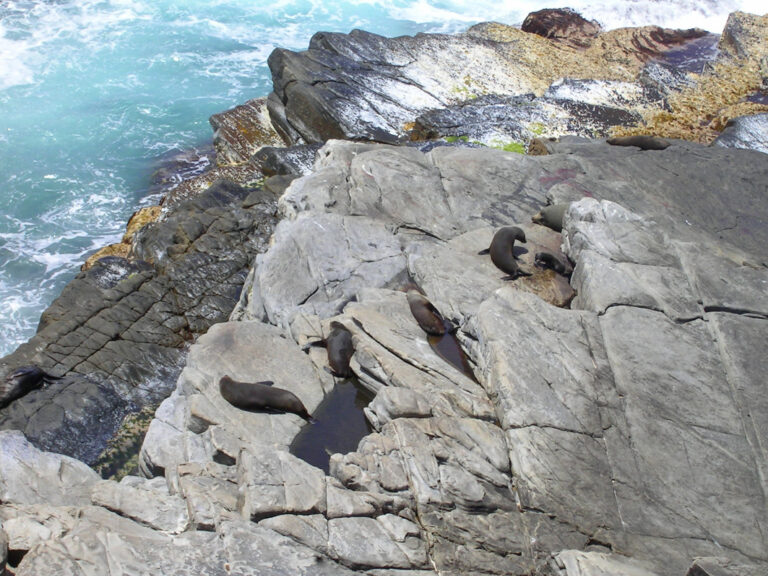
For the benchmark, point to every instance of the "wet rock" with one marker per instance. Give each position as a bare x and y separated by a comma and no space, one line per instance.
749,132
294,160
562,25
124,323
239,132
508,122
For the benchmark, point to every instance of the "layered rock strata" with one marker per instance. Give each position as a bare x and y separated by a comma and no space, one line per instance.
589,439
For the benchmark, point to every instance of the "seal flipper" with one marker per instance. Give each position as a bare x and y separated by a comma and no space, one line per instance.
484,252
314,344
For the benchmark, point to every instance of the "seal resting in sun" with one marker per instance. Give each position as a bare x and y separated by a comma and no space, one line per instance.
340,349
21,382
428,317
261,396
502,250
642,141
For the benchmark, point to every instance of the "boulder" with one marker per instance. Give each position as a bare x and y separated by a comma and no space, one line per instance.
31,476
749,132
562,25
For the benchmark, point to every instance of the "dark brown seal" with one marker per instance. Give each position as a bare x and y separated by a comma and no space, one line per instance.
502,250
21,382
261,396
428,317
549,260
642,141
551,216
340,349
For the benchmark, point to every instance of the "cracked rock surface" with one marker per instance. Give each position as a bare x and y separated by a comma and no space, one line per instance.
120,330
619,434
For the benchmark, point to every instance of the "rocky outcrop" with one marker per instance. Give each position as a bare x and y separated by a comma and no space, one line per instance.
749,132
588,439
607,418
565,26
119,330
363,86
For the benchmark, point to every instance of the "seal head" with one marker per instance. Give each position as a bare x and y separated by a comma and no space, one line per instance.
428,317
551,216
21,382
549,260
261,396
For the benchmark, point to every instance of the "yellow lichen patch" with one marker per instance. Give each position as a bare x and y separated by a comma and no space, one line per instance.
139,219
121,250
700,112
614,55
121,456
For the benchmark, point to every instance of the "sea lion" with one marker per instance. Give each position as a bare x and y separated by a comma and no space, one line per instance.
339,348
549,260
501,250
22,381
429,319
261,396
642,141
551,216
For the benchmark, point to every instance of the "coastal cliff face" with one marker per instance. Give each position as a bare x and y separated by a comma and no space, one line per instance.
613,420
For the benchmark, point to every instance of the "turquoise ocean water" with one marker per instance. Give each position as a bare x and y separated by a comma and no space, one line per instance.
96,95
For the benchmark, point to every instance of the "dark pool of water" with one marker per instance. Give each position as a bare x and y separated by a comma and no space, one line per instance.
448,348
339,425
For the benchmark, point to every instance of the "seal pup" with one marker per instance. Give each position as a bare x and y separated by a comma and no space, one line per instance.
340,349
22,381
549,260
642,141
261,396
551,216
427,316
501,250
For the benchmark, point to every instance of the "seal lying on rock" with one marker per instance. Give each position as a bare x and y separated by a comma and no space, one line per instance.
501,250
643,141
22,381
428,317
340,349
551,216
549,260
261,396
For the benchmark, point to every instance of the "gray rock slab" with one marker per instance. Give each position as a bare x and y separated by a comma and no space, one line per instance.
31,476
254,550
142,502
376,543
539,363
686,188
317,264
251,352
680,432
578,563
308,529
272,483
